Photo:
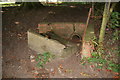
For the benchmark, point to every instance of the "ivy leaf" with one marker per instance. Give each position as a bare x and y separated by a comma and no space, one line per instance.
109,68
83,63
111,65
37,59
115,70
100,67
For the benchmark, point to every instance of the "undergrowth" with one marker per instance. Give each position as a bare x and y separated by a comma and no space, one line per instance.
104,60
101,62
43,59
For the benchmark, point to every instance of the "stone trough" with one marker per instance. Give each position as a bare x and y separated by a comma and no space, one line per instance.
60,39
57,46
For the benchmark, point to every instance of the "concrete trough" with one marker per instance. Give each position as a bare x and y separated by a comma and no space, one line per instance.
60,47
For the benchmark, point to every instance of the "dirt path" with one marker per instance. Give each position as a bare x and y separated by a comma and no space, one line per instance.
16,54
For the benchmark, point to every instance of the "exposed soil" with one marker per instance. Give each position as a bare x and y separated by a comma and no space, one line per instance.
16,53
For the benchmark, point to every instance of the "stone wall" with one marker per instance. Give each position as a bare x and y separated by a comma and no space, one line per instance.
64,30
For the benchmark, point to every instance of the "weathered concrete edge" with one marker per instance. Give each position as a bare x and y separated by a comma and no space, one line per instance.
66,52
36,46
87,45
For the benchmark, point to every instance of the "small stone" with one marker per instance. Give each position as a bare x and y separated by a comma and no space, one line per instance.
72,6
19,35
71,77
1,57
51,69
78,44
51,12
16,22
31,57
61,67
43,75
33,60
19,67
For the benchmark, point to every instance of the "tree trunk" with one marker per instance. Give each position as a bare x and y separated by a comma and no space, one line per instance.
106,15
111,10
104,23
93,3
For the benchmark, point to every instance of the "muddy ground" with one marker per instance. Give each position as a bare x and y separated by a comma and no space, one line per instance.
16,53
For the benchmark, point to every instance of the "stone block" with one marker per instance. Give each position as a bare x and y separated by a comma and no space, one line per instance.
79,28
42,44
63,29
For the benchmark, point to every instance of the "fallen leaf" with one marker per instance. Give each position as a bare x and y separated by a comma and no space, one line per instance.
52,69
116,76
31,57
17,22
65,71
99,69
33,60
43,75
84,74
94,74
116,73
108,70
92,66
1,11
19,35
36,76
60,66
33,68
36,72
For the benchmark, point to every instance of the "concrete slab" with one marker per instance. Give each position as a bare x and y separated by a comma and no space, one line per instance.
42,44
57,45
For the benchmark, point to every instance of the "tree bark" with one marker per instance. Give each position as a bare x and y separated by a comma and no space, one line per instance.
106,15
104,23
111,10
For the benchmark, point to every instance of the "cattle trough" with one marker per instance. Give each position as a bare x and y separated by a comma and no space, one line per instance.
60,39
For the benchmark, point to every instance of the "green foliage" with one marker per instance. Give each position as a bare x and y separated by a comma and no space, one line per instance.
114,20
114,24
113,66
94,54
102,60
43,59
116,35
94,41
99,62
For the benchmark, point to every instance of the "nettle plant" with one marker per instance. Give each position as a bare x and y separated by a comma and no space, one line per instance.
101,61
114,24
43,59
114,20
